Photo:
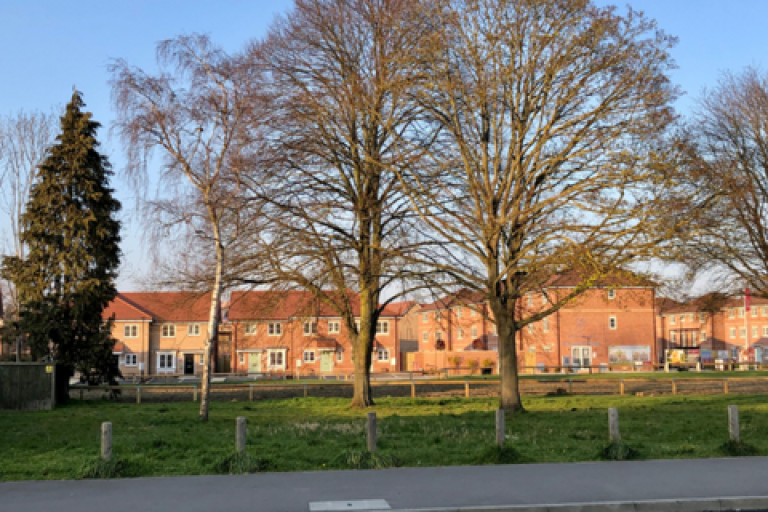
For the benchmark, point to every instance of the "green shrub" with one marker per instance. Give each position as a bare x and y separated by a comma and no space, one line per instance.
100,468
359,459
495,454
738,449
241,464
619,451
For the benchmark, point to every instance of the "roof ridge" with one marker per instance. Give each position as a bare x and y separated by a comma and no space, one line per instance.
140,309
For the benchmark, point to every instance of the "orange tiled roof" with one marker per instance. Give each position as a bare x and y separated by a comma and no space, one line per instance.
398,308
282,305
461,297
160,306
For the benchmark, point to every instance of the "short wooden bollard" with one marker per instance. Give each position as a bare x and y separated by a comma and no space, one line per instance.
733,422
725,386
106,440
570,386
698,366
240,435
613,425
250,394
674,387
81,394
413,389
371,427
466,389
194,393
621,386
500,430
138,394
305,391
666,367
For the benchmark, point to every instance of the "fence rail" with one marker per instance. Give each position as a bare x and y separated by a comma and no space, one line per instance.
431,388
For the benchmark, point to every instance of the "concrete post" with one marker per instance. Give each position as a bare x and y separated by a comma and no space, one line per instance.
106,440
240,435
698,366
138,394
733,422
371,427
500,430
613,425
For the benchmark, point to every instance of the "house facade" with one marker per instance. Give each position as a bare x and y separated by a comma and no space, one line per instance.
293,332
159,333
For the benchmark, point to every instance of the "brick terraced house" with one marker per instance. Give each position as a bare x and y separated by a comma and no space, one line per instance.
159,333
293,332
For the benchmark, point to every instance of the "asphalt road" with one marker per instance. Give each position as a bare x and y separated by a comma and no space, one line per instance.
403,488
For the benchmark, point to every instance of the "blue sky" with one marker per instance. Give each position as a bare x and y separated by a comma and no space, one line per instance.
47,46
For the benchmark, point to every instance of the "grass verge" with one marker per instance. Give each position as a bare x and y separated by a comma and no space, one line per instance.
313,433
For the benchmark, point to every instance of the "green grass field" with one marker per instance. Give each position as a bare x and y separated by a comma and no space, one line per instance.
625,375
311,433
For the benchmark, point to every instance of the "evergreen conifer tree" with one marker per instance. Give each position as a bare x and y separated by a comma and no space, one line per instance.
72,237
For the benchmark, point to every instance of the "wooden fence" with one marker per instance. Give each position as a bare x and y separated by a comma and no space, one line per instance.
28,386
433,388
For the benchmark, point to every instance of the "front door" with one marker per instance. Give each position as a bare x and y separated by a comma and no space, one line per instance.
254,362
530,362
189,364
326,361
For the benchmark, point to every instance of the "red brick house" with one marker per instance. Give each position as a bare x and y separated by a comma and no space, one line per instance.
293,332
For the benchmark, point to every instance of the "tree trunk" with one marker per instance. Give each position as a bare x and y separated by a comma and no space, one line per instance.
213,327
363,396
509,398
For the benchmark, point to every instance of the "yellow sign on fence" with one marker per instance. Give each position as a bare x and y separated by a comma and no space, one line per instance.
49,369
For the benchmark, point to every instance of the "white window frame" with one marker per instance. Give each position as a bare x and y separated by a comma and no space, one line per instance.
193,330
241,358
611,294
458,312
131,331
754,312
543,299
702,318
162,361
425,317
673,337
703,336
340,355
460,334
425,337
581,351
305,358
474,331
310,328
545,324
438,316
764,311
201,361
755,331
765,330
613,323
383,355
169,330
672,320
251,328
530,299
334,327
733,333
276,351
682,319
731,313
382,327
741,312
530,328
274,329
131,359
742,332
474,312
439,336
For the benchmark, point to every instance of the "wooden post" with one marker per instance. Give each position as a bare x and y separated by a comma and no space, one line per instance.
621,387
500,430
733,422
674,387
250,394
371,426
725,386
413,389
194,393
466,389
666,366
570,386
240,435
613,425
305,390
138,394
81,394
106,440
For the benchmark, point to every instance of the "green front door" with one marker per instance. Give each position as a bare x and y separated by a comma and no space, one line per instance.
254,362
326,361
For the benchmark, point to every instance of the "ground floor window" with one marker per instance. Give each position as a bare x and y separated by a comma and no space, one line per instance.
130,360
166,361
242,358
383,354
309,356
581,356
277,359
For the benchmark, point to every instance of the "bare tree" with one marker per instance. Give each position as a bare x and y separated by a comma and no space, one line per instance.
24,140
339,77
546,121
730,130
200,113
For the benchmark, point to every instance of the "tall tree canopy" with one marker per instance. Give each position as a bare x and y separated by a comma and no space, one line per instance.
71,235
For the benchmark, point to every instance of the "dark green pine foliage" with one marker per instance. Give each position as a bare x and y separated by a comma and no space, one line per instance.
72,237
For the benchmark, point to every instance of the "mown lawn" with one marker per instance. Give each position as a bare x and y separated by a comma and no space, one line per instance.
311,433
625,375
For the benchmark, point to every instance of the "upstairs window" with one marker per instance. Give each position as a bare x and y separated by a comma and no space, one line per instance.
611,294
250,329
194,330
131,331
310,328
382,327
334,327
275,329
169,330
461,333
612,322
